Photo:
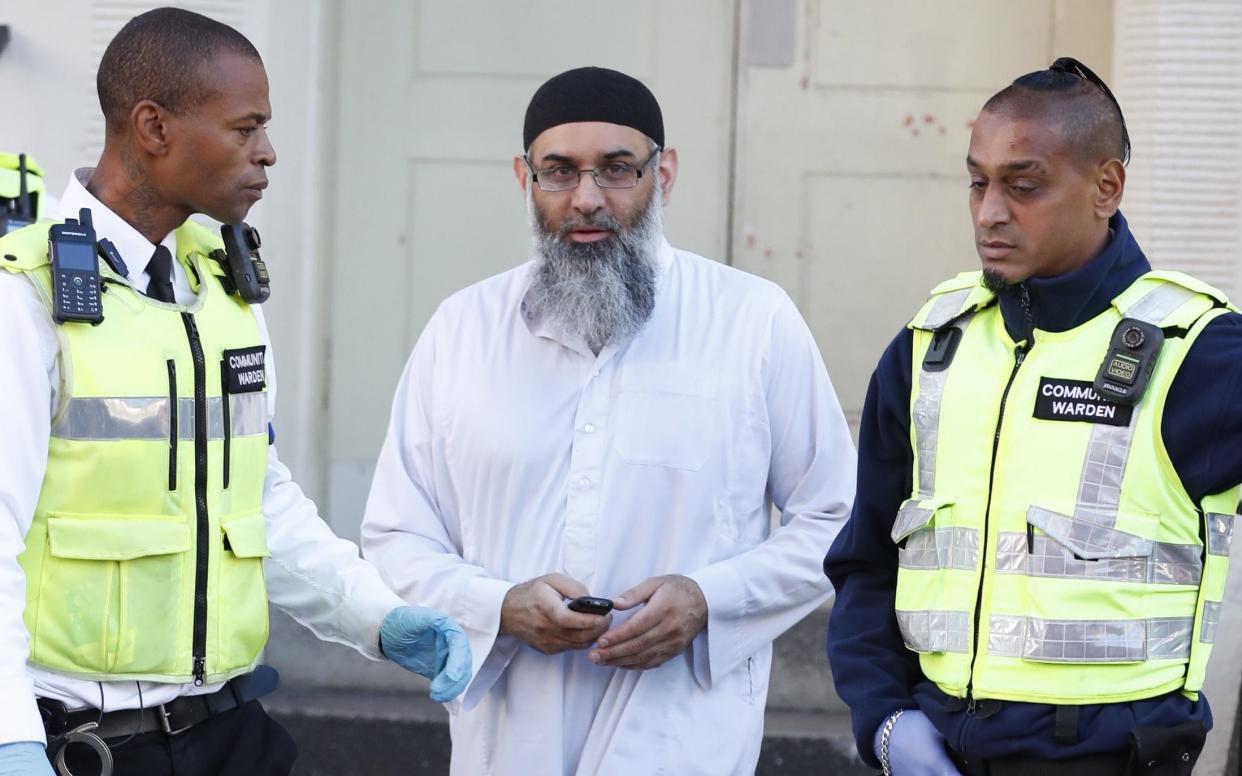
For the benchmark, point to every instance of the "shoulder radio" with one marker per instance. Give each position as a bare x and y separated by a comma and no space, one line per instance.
75,270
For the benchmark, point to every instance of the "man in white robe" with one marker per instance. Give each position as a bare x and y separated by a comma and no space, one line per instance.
614,418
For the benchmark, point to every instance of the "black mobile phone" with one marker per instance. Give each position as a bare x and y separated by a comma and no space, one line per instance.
591,605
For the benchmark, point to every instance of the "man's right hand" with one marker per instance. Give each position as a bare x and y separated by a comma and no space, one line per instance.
535,612
24,758
916,748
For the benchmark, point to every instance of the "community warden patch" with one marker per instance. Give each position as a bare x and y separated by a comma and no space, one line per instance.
245,369
1076,400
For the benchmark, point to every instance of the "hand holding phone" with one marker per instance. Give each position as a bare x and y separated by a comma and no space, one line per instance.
591,605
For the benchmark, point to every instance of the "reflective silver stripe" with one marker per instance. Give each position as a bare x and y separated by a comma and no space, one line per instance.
247,414
935,631
1099,488
1211,620
927,414
1219,533
941,548
1176,564
945,308
1087,538
910,518
114,418
927,426
1169,564
147,418
1160,303
1011,553
1089,641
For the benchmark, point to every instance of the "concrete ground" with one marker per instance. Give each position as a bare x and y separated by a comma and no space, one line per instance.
340,733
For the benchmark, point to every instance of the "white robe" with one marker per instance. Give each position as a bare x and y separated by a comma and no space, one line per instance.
513,453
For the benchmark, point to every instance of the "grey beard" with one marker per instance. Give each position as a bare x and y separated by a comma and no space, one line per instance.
602,291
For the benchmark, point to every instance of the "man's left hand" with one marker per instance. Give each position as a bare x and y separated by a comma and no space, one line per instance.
428,642
675,612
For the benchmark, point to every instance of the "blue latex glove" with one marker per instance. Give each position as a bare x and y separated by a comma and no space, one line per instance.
429,643
24,758
915,747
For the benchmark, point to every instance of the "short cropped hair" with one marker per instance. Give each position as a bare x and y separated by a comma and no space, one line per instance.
160,56
1075,99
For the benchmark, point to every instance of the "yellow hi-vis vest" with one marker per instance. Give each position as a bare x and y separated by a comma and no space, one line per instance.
144,558
1049,552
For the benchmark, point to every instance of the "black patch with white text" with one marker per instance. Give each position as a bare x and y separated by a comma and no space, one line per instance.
245,369
1076,400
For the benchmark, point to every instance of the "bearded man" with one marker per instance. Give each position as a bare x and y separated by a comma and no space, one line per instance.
615,418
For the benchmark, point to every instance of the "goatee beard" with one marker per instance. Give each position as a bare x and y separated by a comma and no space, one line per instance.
995,281
602,291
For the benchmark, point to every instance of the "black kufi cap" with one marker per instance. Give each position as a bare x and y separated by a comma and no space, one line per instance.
593,94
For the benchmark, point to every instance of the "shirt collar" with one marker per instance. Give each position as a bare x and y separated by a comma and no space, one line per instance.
134,248
541,328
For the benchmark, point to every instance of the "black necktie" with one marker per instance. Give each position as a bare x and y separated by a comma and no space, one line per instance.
159,269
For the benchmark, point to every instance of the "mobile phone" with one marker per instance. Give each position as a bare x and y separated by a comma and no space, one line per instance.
591,605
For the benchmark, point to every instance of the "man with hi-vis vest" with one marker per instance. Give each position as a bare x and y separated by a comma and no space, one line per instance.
145,519
1049,466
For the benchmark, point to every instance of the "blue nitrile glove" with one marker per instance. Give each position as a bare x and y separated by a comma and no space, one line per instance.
24,758
915,747
429,643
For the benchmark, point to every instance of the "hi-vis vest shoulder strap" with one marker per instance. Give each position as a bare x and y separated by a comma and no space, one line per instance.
1052,555
144,557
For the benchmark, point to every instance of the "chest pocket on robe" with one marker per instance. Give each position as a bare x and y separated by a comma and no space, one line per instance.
668,414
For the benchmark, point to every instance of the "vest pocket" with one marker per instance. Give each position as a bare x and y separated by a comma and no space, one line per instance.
928,543
116,586
243,631
1099,589
925,540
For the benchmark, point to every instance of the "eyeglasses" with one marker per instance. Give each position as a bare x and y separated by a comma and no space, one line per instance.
614,175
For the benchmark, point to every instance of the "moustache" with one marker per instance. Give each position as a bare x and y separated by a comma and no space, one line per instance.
594,221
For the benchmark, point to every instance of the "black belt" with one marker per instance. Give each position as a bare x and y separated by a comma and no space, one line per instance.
176,716
1116,764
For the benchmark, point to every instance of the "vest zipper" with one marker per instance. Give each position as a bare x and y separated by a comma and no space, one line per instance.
203,549
174,429
1019,355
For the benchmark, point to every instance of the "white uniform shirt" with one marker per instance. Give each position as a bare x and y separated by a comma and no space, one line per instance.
313,575
512,453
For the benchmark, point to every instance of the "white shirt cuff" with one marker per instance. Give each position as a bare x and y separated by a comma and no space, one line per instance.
479,616
713,652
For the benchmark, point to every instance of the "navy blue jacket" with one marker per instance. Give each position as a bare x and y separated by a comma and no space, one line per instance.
874,672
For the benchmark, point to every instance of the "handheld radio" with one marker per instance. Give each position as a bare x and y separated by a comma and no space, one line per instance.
20,211
75,270
245,273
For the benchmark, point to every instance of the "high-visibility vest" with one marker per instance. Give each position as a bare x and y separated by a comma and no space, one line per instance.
1049,552
144,559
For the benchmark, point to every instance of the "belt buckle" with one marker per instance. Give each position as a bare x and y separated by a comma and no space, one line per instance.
165,722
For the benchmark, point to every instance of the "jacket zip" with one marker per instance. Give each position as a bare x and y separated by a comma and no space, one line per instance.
202,552
174,429
1019,355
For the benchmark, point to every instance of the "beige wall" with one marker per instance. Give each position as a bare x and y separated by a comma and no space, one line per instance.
851,183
